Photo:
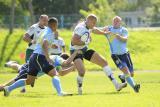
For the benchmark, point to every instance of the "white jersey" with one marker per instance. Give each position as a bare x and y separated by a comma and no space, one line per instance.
80,30
59,43
34,31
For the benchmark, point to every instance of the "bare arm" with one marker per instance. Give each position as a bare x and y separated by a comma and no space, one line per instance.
66,71
76,40
99,31
64,48
27,38
70,59
45,45
121,38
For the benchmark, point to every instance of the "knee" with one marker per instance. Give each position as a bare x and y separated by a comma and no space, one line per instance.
28,82
132,74
81,74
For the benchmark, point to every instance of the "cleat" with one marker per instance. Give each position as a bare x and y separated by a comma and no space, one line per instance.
122,79
8,63
120,86
79,90
6,91
137,88
23,90
65,94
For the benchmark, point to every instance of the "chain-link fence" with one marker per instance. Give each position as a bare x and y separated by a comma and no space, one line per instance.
65,21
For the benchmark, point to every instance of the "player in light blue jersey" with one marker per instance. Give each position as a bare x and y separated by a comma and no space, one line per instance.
117,37
40,60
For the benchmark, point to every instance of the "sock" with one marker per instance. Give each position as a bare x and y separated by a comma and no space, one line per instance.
17,84
23,88
122,76
109,73
57,85
79,81
130,80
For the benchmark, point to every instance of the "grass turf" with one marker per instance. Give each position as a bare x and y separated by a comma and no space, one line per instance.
98,92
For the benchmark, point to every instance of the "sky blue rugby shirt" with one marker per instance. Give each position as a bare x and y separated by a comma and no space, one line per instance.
116,46
48,35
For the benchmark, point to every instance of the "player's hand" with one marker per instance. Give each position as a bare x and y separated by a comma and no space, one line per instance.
1,87
79,52
50,61
33,42
54,46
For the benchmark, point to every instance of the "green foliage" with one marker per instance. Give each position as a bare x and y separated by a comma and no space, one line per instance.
102,9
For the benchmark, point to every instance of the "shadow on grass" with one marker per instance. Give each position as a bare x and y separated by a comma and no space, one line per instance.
103,93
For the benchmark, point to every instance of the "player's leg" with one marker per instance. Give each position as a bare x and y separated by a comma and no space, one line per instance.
56,83
94,57
13,64
122,63
78,62
19,83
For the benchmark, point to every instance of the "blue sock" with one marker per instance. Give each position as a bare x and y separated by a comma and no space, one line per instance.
57,85
130,80
17,84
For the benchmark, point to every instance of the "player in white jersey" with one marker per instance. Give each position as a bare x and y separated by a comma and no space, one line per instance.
33,33
58,46
80,40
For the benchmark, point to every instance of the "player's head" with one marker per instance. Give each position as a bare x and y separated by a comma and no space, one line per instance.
43,20
91,21
53,23
116,21
64,56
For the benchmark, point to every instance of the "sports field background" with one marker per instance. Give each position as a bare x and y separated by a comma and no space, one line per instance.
143,45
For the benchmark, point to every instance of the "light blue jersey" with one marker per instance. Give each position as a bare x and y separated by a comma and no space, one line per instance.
116,46
49,36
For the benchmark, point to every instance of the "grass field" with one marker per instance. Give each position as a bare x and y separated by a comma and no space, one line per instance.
98,92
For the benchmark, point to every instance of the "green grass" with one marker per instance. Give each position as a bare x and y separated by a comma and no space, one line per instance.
143,46
98,92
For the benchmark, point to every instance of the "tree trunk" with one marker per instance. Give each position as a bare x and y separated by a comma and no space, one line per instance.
13,3
30,6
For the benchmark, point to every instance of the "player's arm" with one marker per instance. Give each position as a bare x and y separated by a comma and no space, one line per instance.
66,71
27,38
70,59
99,31
64,48
45,46
121,38
76,40
27,35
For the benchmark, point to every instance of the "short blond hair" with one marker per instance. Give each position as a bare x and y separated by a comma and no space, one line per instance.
43,16
117,17
92,16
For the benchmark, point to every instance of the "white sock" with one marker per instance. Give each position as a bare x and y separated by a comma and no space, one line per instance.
109,73
23,87
79,80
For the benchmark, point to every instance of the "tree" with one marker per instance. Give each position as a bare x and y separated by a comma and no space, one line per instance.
102,9
31,11
13,3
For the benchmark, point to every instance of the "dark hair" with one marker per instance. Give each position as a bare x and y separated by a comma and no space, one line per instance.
64,56
52,20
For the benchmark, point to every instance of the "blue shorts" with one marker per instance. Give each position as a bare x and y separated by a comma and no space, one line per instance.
123,61
22,72
38,63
